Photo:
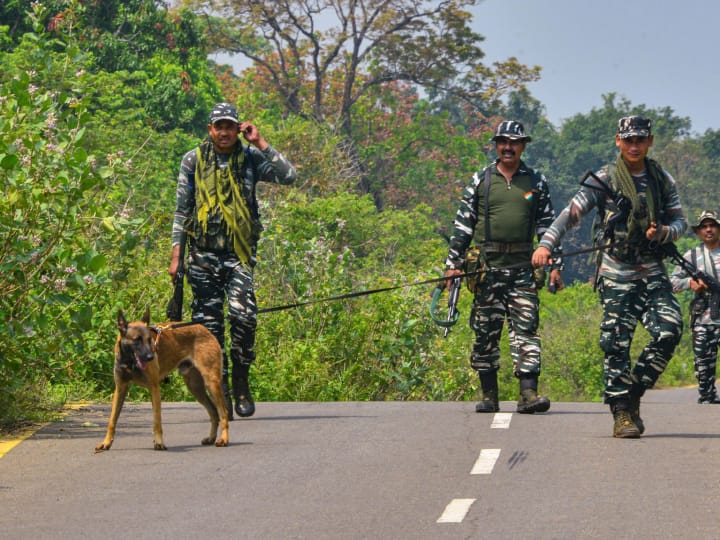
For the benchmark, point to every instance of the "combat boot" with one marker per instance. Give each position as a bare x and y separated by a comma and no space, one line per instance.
635,412
530,402
624,427
489,402
244,404
708,400
489,386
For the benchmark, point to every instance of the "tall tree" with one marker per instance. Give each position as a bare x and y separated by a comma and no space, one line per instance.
324,57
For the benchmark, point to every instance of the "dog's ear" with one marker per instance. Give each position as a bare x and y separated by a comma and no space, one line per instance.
122,323
146,316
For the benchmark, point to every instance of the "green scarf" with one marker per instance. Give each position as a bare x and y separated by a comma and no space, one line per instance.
219,189
626,185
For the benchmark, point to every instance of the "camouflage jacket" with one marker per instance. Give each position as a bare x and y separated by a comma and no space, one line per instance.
517,212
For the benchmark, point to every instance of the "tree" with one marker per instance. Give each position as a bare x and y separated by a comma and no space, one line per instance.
324,59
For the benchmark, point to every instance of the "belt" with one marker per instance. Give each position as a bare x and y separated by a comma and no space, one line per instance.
506,247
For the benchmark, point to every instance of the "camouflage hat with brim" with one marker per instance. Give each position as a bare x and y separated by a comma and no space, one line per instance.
634,126
705,215
511,129
224,111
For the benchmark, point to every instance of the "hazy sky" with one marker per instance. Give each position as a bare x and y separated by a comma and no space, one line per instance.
660,53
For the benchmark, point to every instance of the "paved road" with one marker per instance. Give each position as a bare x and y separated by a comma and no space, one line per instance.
378,470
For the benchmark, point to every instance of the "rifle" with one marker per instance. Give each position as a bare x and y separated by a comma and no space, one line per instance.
175,305
452,314
619,209
695,273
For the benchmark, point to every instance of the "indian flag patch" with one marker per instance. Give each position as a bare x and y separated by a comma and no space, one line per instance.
528,196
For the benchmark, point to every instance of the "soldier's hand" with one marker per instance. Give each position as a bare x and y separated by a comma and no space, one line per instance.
698,286
450,274
655,233
541,257
174,262
556,282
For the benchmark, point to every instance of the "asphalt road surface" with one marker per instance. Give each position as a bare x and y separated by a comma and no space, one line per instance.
371,470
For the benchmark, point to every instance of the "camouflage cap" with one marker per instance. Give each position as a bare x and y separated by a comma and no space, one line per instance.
224,111
512,130
634,126
706,214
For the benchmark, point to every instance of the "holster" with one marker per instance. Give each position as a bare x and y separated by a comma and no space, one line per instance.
476,267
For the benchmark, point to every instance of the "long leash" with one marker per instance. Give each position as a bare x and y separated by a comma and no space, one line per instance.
443,279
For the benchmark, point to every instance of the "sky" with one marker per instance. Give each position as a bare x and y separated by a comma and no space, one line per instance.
657,53
660,53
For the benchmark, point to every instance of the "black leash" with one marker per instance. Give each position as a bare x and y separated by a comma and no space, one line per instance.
357,294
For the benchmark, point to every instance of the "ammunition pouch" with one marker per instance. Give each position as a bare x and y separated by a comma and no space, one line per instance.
476,268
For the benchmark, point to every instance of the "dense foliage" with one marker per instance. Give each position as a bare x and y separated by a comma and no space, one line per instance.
98,102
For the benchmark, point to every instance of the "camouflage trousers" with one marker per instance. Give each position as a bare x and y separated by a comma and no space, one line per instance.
507,294
215,279
706,339
651,302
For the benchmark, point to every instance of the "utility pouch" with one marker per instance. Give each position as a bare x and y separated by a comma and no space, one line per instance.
539,275
476,267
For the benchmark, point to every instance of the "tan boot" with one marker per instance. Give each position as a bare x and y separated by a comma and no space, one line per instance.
624,427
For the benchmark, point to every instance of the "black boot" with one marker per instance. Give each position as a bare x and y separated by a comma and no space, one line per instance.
244,404
489,402
530,402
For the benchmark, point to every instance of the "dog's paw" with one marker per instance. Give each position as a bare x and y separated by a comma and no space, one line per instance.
221,443
102,447
207,441
160,446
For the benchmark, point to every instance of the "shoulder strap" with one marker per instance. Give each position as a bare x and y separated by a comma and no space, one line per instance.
535,179
487,204
708,261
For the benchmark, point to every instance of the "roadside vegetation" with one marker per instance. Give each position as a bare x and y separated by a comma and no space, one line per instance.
98,103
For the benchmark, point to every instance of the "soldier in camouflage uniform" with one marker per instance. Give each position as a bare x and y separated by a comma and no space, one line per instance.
705,328
216,205
504,206
639,206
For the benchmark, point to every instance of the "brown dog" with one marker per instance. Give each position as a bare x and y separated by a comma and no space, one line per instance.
145,354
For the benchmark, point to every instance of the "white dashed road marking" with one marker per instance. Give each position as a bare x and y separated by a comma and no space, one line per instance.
455,511
501,420
486,461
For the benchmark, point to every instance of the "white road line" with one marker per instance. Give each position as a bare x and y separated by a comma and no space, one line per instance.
501,420
455,511
486,461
